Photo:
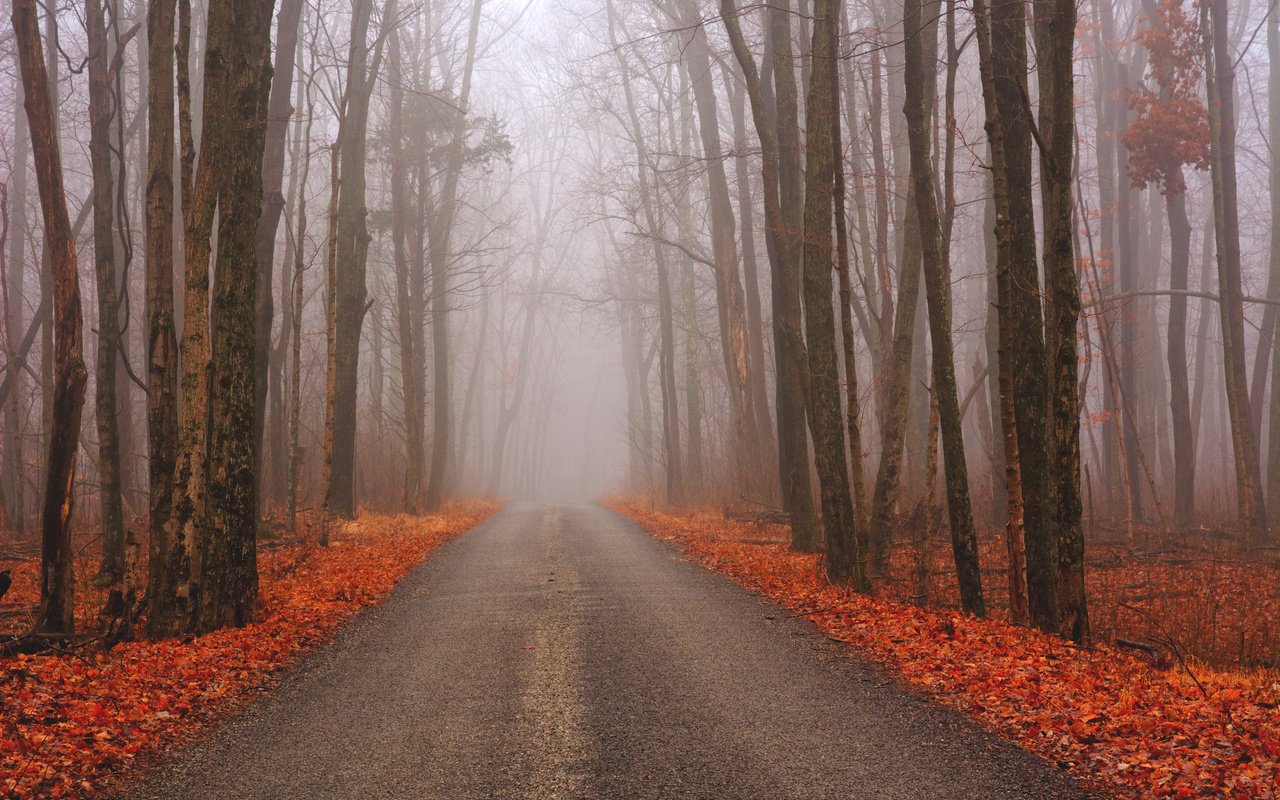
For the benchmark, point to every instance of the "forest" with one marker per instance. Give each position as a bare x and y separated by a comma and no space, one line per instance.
947,327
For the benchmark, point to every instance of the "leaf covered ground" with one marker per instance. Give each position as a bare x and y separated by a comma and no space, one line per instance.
1112,720
74,723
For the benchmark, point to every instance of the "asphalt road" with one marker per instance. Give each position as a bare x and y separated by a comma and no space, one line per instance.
560,652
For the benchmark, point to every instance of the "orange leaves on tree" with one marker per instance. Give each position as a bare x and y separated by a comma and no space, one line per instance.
1171,128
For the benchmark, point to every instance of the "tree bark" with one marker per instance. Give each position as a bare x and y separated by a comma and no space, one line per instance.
406,304
166,564
1273,129
730,299
13,319
1015,529
1220,79
844,564
1184,457
790,355
237,86
278,113
441,230
1055,26
1029,362
351,252
56,614
937,273
101,112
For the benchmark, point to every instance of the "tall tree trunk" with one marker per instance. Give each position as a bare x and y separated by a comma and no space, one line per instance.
1028,359
844,562
790,356
675,492
441,231
278,113
351,252
406,304
111,569
237,86
14,316
296,298
1273,129
56,614
694,470
895,397
1002,240
921,46
852,399
1220,80
1126,266
1184,455
187,522
750,266
1055,26
730,299
168,558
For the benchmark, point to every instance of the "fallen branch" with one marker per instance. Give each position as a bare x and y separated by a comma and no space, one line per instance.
1149,649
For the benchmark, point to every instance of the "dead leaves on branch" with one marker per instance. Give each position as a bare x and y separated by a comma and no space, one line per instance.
72,725
1110,719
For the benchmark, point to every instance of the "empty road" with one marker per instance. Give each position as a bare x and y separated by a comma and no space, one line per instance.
560,652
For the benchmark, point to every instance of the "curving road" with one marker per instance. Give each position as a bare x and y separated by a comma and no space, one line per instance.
559,652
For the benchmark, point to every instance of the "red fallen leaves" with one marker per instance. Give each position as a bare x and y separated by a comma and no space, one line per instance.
1110,719
71,725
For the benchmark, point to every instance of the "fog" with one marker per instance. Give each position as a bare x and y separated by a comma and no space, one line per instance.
542,248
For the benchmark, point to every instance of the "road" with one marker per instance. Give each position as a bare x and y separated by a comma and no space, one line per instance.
560,652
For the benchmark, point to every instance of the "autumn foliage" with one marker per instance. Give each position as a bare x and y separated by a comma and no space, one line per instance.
1116,722
75,722
1171,128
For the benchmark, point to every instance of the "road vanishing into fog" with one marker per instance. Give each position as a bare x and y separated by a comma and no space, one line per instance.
560,652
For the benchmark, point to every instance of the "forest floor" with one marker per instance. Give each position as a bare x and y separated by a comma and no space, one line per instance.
76,721
1170,725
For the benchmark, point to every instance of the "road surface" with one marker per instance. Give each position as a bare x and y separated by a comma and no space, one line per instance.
560,652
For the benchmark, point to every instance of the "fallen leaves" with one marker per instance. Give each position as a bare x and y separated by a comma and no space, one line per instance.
1109,718
72,725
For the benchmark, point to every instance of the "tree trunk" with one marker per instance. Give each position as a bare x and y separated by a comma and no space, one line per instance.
279,111
186,529
441,231
296,298
921,47
1220,79
1028,359
13,316
1015,540
1055,26
730,299
1184,456
790,356
675,491
166,564
351,252
750,266
237,86
406,304
852,399
844,562
56,614
1273,129
111,571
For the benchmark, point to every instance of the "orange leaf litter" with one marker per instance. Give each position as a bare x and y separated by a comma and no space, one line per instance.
72,726
1111,720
